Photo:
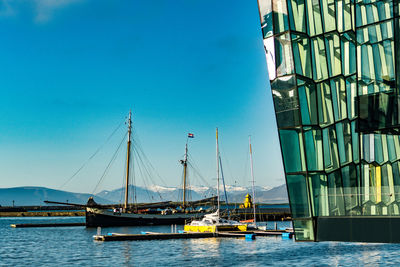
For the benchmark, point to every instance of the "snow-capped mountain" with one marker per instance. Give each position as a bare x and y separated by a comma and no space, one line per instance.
157,193
24,196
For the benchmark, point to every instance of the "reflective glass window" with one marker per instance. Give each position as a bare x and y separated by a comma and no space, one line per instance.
308,104
396,176
328,15
365,184
350,190
371,188
302,55
385,151
297,15
369,12
280,16
354,141
319,194
292,150
343,15
298,193
325,110
351,97
391,148
265,8
304,230
397,67
397,146
376,58
320,68
338,89
314,22
287,108
283,55
313,143
335,193
332,46
378,148
348,52
343,131
331,158
269,47
396,180
387,184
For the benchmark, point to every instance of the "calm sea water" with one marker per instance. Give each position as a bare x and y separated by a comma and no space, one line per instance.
71,246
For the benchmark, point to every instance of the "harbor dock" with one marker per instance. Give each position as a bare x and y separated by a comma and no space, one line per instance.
187,235
42,211
151,236
31,225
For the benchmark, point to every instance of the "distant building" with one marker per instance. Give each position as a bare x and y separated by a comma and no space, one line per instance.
334,67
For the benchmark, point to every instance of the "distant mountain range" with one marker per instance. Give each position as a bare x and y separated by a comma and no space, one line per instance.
34,196
235,194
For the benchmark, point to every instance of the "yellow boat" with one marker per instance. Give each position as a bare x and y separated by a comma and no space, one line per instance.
213,223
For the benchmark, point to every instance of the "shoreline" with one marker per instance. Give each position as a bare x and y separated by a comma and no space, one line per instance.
42,214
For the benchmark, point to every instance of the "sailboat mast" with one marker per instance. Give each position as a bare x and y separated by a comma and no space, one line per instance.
217,157
184,175
252,176
128,160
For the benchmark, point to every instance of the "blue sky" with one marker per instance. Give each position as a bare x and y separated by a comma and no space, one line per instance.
71,70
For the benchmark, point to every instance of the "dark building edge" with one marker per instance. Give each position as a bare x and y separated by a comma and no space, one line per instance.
376,229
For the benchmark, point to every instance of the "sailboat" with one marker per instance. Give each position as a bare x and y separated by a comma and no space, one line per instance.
97,215
213,222
253,225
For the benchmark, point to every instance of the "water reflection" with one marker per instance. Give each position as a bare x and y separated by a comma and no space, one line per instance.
127,253
371,253
75,246
197,247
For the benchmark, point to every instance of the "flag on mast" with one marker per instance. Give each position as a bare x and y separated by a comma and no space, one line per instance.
190,135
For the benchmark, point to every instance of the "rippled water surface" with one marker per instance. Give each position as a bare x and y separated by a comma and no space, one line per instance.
69,246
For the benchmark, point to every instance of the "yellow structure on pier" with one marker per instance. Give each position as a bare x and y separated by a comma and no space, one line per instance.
248,203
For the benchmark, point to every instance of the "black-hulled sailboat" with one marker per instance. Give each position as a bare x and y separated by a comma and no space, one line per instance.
128,215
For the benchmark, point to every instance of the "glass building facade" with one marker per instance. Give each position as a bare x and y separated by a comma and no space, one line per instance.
334,69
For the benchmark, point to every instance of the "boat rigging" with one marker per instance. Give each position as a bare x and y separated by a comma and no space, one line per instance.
252,179
213,222
128,157
97,215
